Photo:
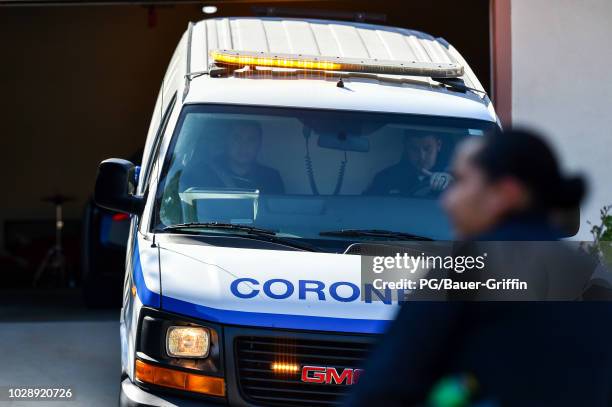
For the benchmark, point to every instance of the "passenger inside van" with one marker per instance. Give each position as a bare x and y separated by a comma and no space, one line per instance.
300,173
237,166
420,171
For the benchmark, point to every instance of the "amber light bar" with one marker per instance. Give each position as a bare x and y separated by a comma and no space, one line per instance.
262,59
240,59
160,376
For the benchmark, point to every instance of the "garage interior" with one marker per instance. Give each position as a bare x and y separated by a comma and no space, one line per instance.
80,81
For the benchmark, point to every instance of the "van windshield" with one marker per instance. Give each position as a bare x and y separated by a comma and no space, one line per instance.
301,172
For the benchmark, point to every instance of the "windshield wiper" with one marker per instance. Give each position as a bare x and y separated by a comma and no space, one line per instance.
374,233
218,225
252,232
458,84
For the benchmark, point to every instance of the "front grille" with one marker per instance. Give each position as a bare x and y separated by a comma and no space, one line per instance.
260,385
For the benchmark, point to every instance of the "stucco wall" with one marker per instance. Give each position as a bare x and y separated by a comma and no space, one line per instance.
562,85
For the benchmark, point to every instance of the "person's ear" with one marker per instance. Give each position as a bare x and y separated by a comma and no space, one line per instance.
511,194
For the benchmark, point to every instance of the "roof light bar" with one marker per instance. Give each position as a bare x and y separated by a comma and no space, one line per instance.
276,61
241,59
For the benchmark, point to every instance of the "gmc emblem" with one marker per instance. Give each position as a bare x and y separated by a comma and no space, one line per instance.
329,375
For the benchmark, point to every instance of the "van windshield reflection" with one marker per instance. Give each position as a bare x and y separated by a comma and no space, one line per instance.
302,172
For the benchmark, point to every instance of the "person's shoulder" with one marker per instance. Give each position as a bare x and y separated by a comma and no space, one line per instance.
269,178
265,170
399,168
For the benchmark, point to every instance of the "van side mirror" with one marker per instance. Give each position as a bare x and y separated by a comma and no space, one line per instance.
115,187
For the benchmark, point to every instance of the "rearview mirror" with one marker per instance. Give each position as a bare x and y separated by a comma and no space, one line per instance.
344,142
115,187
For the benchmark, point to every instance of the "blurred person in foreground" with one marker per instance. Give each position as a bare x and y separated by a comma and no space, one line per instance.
513,353
507,187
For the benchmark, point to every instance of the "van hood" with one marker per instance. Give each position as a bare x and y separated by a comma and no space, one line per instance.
268,288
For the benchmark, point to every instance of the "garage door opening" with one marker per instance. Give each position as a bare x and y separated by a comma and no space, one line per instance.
83,81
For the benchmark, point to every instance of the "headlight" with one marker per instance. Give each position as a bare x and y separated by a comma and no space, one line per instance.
178,352
187,342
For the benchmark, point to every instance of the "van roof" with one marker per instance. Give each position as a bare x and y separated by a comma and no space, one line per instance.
419,95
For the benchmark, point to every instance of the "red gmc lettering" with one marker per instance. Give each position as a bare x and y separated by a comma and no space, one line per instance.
333,376
317,376
329,375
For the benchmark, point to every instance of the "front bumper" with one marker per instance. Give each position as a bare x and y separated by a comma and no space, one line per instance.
246,360
133,396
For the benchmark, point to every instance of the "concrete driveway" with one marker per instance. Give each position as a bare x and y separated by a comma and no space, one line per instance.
60,346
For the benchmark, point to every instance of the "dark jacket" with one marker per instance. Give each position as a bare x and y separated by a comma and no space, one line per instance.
520,353
399,179
219,175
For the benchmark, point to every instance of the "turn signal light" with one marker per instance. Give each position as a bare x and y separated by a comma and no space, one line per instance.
160,376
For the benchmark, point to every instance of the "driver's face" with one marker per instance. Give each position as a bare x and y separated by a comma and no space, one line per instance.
422,152
243,144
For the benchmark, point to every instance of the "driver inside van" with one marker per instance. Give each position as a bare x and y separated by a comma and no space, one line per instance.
418,173
237,166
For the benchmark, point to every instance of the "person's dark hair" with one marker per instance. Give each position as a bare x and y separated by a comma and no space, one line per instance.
412,133
526,157
252,124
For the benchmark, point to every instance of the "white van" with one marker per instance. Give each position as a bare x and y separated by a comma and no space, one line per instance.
279,149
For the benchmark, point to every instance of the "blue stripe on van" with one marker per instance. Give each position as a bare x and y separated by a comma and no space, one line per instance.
251,319
147,297
261,319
